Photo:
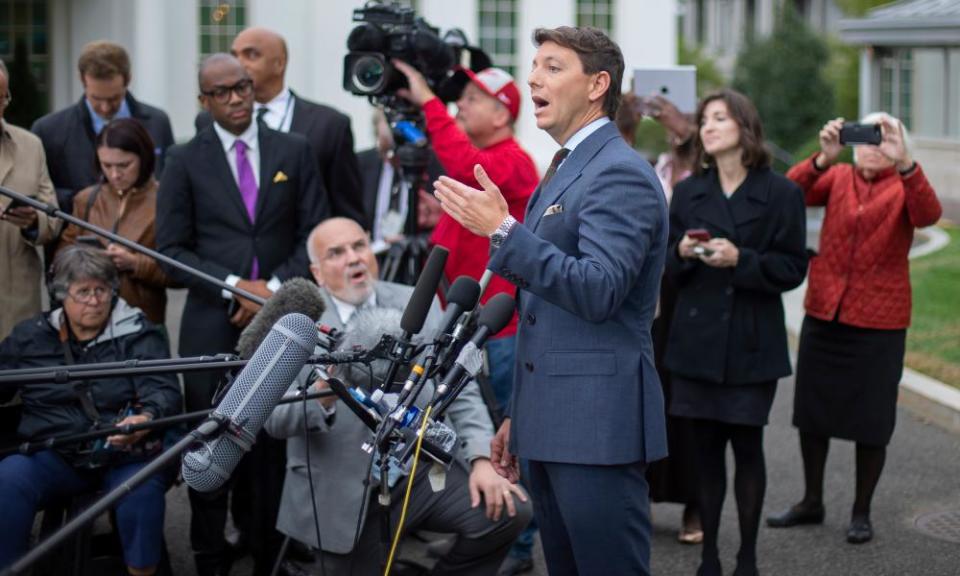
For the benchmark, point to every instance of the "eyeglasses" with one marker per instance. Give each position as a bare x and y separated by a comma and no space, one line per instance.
221,94
88,295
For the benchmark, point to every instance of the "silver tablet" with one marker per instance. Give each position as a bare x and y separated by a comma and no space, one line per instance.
675,83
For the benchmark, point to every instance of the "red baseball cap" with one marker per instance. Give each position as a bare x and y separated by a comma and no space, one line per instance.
499,84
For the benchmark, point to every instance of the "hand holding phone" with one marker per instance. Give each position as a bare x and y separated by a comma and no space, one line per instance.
856,134
699,234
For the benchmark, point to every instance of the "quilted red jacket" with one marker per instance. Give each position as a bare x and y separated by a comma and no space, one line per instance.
862,268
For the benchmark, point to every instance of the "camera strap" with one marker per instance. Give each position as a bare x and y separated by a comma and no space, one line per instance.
81,389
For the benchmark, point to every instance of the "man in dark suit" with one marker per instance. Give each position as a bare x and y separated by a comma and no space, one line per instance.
68,135
587,409
264,55
238,202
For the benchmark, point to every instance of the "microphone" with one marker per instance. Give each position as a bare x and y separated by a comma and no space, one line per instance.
294,295
463,295
493,318
255,392
415,314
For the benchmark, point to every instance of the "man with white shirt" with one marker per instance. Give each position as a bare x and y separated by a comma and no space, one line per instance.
264,55
587,409
237,202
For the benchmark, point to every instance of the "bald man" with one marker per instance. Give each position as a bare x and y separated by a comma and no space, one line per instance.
264,55
237,202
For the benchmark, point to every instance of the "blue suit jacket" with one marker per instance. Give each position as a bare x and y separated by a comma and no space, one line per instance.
586,390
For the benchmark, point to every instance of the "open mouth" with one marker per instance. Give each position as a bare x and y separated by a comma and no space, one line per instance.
358,276
539,104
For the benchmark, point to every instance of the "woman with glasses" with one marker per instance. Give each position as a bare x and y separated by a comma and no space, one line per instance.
124,202
93,325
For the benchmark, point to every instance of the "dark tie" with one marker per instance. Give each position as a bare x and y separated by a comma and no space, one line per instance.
260,114
248,191
557,160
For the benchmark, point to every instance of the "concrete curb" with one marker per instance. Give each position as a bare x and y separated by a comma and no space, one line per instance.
927,397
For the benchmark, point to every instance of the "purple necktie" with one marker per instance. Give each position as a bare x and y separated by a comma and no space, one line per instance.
248,191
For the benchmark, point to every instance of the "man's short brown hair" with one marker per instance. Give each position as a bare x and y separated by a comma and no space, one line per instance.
103,60
597,53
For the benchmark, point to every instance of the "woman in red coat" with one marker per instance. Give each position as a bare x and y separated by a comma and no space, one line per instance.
858,308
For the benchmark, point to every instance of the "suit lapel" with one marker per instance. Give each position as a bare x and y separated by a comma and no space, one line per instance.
749,203
220,166
269,160
298,124
569,172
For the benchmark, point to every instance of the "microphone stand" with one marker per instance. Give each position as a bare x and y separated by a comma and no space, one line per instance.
205,431
55,212
27,448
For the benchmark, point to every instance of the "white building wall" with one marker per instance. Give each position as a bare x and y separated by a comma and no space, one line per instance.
162,38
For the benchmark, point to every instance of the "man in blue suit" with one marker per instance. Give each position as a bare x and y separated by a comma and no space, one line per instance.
587,409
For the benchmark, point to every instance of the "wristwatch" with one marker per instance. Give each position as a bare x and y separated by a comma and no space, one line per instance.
502,231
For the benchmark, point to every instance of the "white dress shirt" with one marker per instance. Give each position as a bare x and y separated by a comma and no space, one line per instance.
279,112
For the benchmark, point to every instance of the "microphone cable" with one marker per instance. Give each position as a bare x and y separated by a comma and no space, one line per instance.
406,496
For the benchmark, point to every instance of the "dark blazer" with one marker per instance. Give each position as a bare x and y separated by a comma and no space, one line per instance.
329,134
68,141
586,390
728,324
371,166
202,222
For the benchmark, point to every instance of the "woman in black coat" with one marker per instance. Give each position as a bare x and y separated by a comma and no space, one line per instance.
737,241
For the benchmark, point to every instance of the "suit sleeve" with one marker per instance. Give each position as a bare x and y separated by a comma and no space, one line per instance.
783,264
619,217
176,227
314,207
342,179
47,135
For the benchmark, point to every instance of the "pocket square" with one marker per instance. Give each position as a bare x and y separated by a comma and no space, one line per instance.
554,209
279,177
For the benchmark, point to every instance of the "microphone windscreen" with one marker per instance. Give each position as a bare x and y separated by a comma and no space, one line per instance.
496,313
294,295
252,397
464,292
364,331
415,314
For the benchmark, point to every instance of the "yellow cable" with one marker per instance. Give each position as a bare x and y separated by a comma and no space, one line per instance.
406,497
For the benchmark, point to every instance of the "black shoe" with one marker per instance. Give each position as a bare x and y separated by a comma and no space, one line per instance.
746,569
860,530
710,568
513,565
796,515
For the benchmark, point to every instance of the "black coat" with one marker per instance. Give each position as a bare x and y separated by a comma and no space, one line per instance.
202,222
68,141
728,324
329,134
54,409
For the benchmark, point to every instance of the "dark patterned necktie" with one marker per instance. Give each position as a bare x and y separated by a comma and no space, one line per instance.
554,164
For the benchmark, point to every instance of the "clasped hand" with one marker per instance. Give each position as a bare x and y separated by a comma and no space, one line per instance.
718,253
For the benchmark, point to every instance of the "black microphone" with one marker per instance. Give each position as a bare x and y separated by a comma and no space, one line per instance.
247,405
415,314
462,296
294,295
494,316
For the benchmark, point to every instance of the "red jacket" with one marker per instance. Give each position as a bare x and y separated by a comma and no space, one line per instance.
508,165
862,267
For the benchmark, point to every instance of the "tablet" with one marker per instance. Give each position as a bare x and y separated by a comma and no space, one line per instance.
677,84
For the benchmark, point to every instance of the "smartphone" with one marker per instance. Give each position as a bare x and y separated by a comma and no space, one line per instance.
14,203
854,134
699,234
702,251
91,241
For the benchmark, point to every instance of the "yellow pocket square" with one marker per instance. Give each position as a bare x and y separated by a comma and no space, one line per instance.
279,177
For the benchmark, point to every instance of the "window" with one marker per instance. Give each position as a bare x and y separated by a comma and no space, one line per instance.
896,84
596,13
220,22
701,22
23,47
498,32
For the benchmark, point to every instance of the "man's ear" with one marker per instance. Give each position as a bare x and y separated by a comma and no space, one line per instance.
601,83
203,102
317,274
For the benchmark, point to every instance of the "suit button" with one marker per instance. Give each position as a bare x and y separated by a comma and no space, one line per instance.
693,312
528,366
729,290
531,319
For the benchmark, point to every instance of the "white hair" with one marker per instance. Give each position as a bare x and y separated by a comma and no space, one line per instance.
877,117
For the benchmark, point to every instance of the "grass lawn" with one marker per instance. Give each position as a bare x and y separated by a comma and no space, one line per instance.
933,340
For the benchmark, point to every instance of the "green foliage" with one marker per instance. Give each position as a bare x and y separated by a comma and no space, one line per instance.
859,8
843,74
785,77
709,77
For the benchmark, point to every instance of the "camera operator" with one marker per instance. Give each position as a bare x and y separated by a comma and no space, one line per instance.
343,264
93,325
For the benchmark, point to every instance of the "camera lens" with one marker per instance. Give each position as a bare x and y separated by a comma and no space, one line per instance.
368,74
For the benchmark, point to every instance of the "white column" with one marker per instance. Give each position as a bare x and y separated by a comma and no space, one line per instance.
867,89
